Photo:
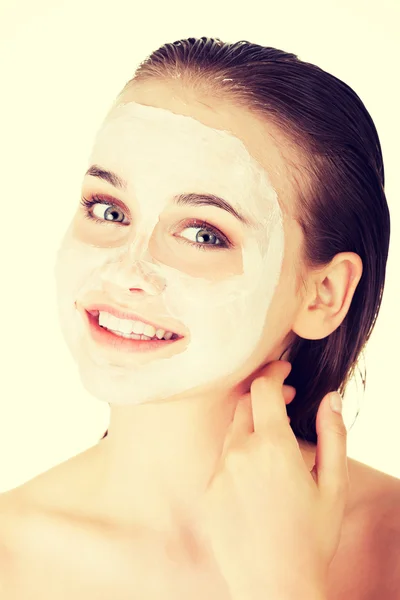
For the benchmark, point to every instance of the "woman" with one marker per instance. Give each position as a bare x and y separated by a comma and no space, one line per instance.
233,220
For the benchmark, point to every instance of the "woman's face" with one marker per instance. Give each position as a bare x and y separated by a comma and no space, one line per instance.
194,238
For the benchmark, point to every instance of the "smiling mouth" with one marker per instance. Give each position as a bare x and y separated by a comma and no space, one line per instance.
128,341
139,330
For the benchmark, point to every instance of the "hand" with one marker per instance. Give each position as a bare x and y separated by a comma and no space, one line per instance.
272,526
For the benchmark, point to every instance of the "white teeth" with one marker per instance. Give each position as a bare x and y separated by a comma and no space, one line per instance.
134,336
132,329
123,326
149,331
137,327
104,318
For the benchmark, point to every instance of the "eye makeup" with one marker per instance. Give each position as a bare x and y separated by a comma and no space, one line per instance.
88,204
202,225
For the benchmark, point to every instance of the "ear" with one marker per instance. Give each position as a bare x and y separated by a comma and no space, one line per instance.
328,297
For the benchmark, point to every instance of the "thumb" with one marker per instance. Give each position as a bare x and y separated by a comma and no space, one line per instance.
331,455
242,423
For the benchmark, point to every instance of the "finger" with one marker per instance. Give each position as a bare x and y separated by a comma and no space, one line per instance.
242,423
331,455
243,419
289,393
268,406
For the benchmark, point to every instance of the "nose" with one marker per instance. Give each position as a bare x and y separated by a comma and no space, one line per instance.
128,277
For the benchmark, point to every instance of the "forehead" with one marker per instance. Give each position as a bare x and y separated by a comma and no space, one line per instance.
161,153
263,140
152,139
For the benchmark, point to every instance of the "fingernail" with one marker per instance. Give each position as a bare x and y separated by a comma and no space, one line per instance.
336,402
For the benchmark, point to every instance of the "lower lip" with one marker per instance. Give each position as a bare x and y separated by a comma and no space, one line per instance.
106,338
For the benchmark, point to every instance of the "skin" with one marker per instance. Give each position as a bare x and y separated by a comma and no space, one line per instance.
262,507
171,448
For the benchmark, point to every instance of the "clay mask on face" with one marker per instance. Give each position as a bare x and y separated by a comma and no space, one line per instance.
218,296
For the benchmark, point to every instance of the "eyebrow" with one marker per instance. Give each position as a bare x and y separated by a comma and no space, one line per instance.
191,199
110,176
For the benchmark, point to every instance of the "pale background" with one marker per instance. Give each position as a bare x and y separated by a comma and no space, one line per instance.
62,64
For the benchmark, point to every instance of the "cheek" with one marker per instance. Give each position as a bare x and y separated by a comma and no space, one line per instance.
209,263
76,266
96,234
285,301
282,311
227,314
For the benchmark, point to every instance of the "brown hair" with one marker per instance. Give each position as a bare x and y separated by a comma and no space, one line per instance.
342,207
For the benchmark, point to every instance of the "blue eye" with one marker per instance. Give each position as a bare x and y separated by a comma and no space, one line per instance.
206,238
110,214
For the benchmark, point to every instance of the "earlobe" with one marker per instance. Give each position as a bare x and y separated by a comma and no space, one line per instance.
327,303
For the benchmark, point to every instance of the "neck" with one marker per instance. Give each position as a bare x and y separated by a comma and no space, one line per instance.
157,460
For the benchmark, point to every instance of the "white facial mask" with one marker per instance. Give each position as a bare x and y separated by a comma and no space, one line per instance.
162,154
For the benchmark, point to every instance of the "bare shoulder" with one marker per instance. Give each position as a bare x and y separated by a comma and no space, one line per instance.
378,495
9,507
25,522
385,543
379,516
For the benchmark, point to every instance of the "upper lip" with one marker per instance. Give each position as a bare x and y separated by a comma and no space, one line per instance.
121,313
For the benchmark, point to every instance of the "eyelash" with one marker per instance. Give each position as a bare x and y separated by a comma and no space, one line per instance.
88,203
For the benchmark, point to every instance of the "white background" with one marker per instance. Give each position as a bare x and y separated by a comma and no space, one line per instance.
62,64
